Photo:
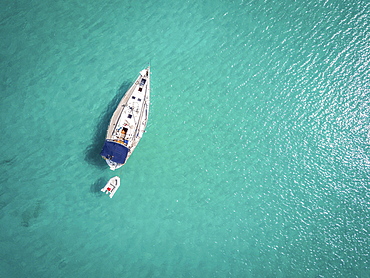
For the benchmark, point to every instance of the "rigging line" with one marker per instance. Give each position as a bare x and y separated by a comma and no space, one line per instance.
133,114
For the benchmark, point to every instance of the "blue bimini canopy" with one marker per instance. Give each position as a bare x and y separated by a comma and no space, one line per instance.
115,152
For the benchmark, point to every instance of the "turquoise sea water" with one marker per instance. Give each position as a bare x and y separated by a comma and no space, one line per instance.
256,160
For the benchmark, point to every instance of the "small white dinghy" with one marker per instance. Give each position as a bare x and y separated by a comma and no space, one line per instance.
112,186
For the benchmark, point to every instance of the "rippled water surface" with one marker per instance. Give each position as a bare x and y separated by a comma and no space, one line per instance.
256,160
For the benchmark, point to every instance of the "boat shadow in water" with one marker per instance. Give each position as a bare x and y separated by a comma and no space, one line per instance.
97,186
92,152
